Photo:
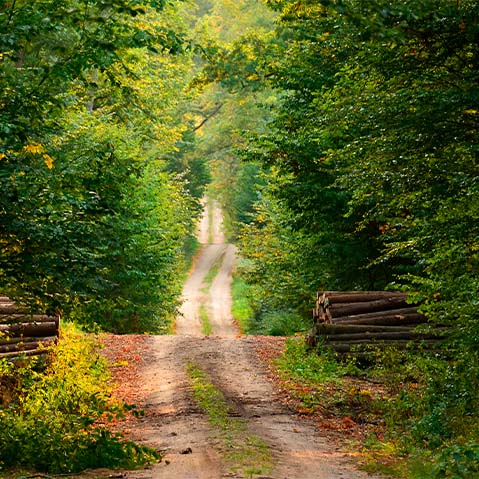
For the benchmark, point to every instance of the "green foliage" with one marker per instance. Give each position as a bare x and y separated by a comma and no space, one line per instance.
92,99
52,420
206,326
458,461
282,267
306,365
370,169
431,414
318,383
232,40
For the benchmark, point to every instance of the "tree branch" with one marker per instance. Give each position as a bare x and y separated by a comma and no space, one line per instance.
209,116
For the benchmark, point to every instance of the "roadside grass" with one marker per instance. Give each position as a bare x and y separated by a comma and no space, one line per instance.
382,412
269,323
212,273
245,454
241,307
343,401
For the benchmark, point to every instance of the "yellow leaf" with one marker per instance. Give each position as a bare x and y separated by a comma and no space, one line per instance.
48,161
34,148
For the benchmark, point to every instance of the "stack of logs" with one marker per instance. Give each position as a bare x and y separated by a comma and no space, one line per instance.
357,322
23,333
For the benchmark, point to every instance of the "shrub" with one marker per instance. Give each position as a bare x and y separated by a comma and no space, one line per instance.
54,420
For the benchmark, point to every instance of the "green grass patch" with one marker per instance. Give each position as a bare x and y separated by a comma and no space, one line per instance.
315,380
241,308
53,420
206,326
246,454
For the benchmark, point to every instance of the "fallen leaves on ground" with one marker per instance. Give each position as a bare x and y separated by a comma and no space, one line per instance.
332,420
126,356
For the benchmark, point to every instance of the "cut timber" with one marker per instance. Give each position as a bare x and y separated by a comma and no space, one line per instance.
386,304
20,317
391,317
368,345
350,322
381,336
30,329
8,308
24,339
388,320
361,328
24,332
335,297
28,346
14,355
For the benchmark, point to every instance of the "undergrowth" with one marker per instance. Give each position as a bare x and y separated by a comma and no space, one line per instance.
252,321
54,419
423,425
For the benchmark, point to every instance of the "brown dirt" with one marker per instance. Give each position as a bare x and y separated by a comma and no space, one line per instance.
151,372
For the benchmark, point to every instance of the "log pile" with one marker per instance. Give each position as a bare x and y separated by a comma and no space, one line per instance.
360,321
23,333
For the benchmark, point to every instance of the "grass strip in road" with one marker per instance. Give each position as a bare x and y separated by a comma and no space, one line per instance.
212,273
246,454
211,222
206,326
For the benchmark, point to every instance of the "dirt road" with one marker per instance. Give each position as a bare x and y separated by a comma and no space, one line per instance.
257,428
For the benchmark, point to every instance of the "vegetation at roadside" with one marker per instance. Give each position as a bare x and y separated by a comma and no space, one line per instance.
241,309
392,405
364,176
212,273
284,322
56,420
245,453
342,139
99,199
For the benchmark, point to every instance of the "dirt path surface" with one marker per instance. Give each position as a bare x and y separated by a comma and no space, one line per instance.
173,423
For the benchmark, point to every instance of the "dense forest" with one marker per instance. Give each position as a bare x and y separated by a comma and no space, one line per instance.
340,136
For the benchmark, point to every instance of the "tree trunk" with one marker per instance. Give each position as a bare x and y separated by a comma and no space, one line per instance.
399,316
5,341
18,354
25,317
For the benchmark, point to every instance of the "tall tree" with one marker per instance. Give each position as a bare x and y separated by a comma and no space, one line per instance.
88,106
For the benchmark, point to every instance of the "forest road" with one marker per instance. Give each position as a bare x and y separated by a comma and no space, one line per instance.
281,445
